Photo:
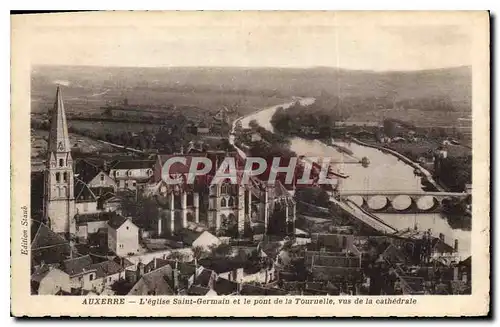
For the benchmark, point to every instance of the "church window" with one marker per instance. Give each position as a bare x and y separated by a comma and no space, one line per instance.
225,188
59,191
58,177
231,202
65,176
63,190
61,162
223,202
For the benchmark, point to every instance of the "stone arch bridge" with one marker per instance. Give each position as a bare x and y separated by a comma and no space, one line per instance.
401,201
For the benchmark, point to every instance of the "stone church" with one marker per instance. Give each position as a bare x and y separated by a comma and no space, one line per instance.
219,207
59,201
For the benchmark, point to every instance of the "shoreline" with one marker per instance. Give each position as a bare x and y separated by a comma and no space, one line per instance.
406,160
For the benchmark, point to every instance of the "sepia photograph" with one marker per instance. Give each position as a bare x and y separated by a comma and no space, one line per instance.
192,158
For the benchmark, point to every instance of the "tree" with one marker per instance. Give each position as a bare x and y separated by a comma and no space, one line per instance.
198,252
221,250
253,124
177,256
313,195
390,128
144,210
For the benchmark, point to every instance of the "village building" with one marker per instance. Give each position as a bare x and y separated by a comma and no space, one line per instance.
47,247
123,236
202,239
49,280
129,174
156,282
81,276
90,223
226,207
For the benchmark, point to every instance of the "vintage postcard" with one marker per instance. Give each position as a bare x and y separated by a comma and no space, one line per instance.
250,164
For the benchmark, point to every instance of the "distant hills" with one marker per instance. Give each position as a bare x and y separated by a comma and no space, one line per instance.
452,84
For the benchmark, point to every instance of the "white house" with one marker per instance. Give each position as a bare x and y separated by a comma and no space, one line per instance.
127,174
79,271
102,180
107,273
123,236
48,280
203,239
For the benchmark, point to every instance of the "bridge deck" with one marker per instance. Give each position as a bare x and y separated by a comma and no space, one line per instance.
371,192
370,220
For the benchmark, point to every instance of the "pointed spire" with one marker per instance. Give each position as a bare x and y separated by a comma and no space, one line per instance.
58,135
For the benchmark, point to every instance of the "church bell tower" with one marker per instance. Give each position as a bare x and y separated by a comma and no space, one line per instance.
59,201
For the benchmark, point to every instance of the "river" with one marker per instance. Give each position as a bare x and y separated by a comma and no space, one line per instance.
384,173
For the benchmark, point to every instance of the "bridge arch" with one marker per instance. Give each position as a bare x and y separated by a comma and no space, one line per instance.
357,199
427,203
378,202
402,202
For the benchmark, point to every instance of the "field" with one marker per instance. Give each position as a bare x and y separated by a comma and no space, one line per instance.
80,143
88,88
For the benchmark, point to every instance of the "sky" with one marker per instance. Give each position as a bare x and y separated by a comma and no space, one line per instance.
232,42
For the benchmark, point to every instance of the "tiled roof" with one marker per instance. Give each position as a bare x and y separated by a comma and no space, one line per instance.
155,264
97,216
441,247
133,164
203,279
100,191
198,290
331,241
177,167
333,261
188,236
44,236
222,265
184,268
83,192
88,168
78,265
225,287
325,273
42,271
248,289
120,260
154,283
47,246
116,221
106,268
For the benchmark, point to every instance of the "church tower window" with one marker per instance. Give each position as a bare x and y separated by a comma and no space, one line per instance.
61,162
231,202
65,177
223,202
58,177
225,188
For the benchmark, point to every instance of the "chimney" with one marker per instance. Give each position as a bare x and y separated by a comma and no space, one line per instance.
175,277
140,270
455,247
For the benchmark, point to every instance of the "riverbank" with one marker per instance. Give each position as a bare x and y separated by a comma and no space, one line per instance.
408,161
